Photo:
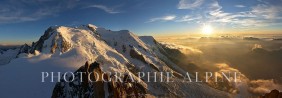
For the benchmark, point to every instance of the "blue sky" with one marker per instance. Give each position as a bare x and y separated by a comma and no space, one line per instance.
23,21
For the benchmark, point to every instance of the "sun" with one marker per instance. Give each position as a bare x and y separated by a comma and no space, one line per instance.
207,30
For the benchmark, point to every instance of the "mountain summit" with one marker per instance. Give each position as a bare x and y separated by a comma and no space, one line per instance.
93,49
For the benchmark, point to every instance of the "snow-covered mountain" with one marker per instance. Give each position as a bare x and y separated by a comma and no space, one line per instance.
67,49
7,55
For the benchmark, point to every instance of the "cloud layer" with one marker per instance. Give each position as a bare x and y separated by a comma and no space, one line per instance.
183,49
189,4
237,55
163,18
105,8
14,11
261,14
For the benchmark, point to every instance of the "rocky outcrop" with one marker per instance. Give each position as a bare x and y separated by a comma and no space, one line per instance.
39,44
273,94
24,49
59,43
134,54
98,85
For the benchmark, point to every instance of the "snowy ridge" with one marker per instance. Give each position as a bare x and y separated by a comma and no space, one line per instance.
63,49
7,56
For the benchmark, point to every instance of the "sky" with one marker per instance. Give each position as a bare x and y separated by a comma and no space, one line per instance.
24,21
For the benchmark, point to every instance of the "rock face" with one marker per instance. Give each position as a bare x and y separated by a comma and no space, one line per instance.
273,94
134,54
24,49
92,85
59,43
52,39
39,44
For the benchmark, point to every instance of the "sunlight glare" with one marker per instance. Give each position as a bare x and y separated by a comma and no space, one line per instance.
207,29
